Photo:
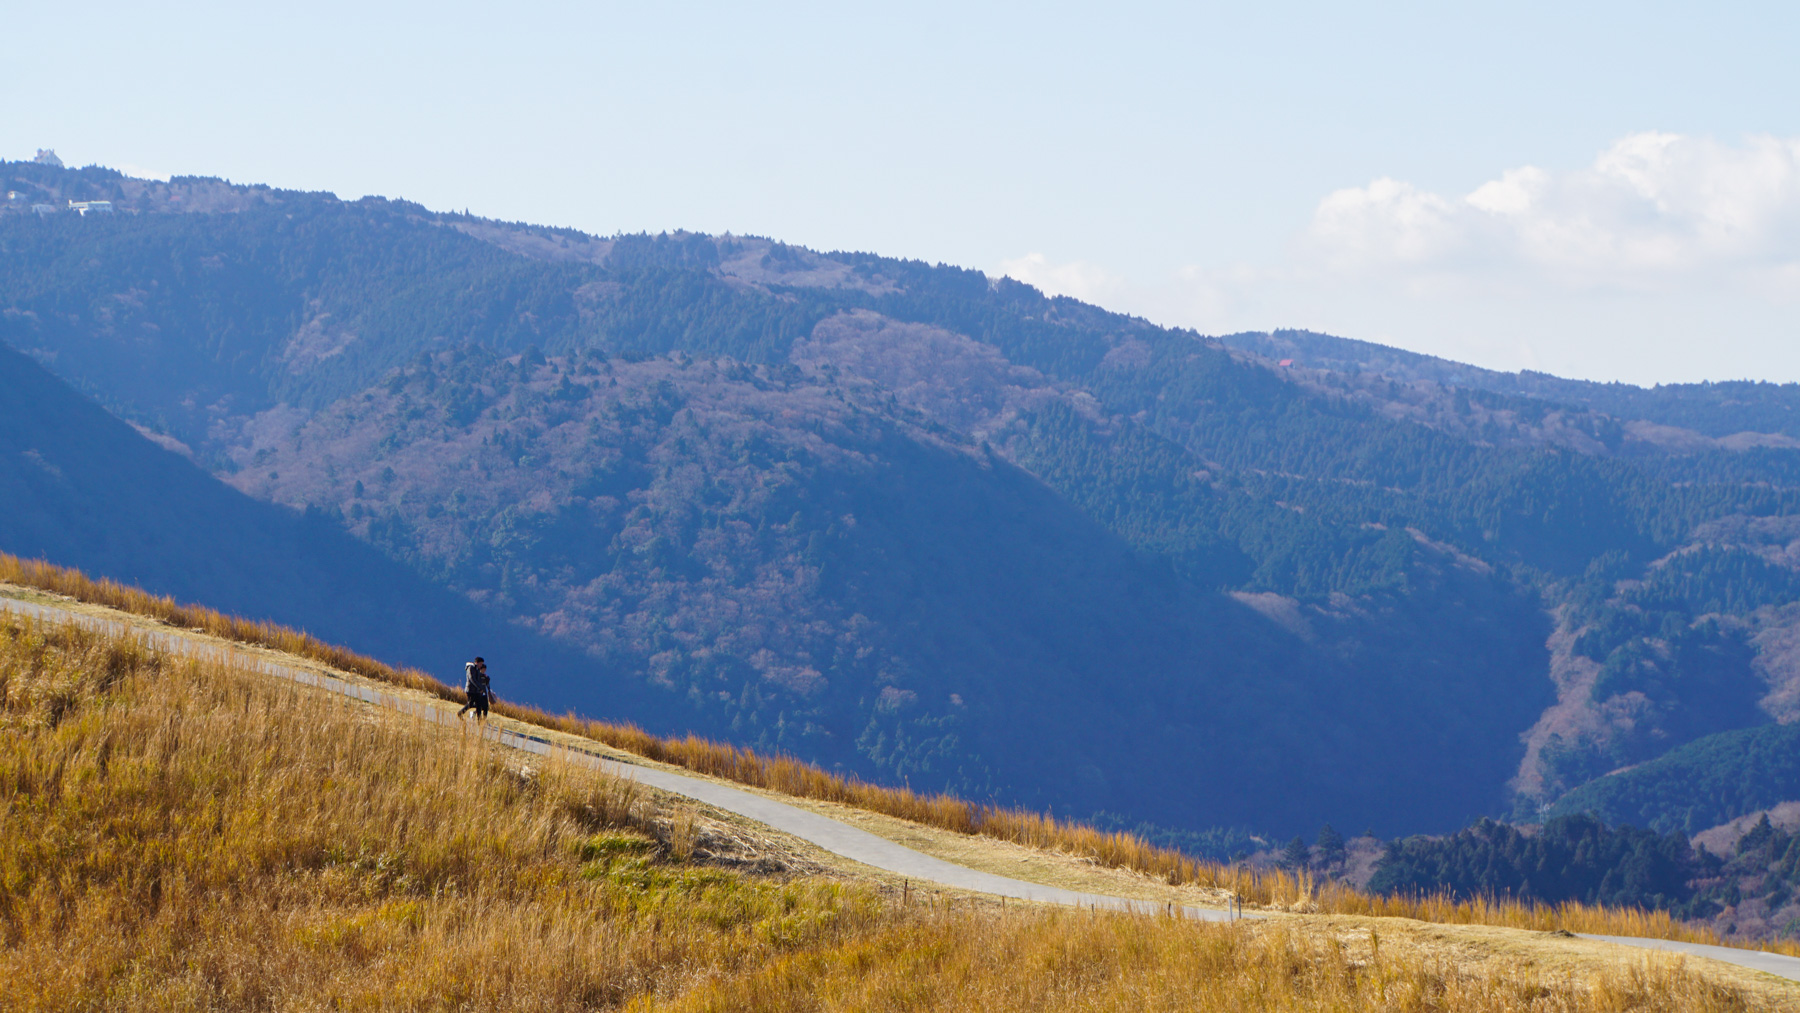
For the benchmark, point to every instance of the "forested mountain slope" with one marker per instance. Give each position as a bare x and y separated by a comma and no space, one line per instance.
1717,410
1700,785
931,526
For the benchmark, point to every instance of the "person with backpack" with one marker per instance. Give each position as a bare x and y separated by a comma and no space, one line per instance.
475,687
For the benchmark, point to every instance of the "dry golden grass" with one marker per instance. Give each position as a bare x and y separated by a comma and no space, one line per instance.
1067,961
180,835
1266,888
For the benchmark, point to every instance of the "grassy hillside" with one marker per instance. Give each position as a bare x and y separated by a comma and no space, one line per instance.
183,834
1281,889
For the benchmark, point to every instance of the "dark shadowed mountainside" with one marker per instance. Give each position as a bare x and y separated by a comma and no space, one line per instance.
84,489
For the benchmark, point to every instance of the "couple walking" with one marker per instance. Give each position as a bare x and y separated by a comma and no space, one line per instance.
475,686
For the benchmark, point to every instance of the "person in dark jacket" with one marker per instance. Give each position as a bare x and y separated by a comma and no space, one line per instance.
475,687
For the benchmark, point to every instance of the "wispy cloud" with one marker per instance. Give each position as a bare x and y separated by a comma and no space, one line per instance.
1190,296
1077,279
140,172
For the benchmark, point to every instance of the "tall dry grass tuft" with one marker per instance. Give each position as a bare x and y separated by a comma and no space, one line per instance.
1268,888
184,835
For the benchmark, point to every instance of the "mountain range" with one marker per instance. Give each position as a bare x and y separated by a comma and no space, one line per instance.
908,521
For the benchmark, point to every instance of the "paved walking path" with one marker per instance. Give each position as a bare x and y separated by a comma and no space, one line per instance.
832,835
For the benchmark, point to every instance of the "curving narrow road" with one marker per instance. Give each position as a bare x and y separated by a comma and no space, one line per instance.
832,835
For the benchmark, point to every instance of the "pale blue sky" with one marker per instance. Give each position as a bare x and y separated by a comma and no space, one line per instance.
1208,165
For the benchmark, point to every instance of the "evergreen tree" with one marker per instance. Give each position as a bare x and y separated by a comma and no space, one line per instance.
1331,846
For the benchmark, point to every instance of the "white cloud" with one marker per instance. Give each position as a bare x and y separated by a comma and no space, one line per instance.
1076,279
1208,299
1388,222
139,172
1666,258
1653,210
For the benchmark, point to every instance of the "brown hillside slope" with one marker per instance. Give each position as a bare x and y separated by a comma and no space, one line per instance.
175,834
1265,888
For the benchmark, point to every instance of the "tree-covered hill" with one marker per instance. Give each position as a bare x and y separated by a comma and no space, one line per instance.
816,572
1702,784
933,526
1568,858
